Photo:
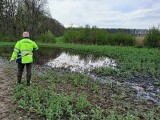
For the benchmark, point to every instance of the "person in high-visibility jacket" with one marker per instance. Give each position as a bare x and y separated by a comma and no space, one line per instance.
23,54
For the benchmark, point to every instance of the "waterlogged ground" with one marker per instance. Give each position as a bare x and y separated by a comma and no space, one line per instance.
74,63
86,65
92,96
92,65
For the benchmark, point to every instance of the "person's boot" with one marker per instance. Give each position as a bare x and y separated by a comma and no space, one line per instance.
28,80
19,80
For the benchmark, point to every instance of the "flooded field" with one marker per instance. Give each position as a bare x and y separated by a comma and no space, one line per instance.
85,63
76,84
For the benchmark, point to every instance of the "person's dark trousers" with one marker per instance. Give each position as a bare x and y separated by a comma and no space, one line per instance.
20,72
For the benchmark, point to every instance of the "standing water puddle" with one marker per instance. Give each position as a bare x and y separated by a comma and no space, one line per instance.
75,64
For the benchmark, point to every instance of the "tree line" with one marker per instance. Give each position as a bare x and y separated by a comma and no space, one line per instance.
33,16
96,36
118,37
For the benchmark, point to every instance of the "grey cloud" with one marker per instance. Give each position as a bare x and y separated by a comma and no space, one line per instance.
106,13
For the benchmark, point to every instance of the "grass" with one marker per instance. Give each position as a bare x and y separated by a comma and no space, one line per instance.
7,44
59,40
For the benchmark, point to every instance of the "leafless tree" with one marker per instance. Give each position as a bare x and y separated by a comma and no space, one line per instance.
17,16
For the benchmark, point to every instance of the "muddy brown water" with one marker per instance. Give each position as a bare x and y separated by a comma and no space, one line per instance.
84,63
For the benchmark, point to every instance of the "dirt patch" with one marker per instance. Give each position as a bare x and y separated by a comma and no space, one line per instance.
7,108
140,40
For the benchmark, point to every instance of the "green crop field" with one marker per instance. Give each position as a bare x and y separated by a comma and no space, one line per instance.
65,95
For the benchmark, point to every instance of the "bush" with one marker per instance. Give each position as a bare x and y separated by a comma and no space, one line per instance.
97,36
48,37
121,39
86,35
71,36
6,38
152,39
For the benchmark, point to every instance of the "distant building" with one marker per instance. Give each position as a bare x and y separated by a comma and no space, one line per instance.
136,32
140,32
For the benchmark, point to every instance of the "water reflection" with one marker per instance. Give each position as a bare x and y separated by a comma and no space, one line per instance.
43,55
58,58
77,63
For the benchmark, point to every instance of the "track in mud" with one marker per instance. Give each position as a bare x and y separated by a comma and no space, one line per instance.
6,103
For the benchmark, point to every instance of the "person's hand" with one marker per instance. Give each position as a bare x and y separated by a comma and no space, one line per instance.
10,60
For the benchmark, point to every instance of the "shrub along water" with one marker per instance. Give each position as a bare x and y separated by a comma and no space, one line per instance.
47,37
97,36
152,39
121,39
7,38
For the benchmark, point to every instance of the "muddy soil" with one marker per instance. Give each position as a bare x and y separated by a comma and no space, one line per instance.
7,107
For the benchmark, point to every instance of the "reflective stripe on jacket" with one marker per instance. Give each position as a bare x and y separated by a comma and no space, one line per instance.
23,51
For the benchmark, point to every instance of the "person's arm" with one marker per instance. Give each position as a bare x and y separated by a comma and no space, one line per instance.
15,51
35,46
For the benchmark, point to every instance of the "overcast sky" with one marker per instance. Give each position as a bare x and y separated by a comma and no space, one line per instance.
107,13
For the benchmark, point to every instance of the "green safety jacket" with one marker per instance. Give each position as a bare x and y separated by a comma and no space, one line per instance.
23,51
